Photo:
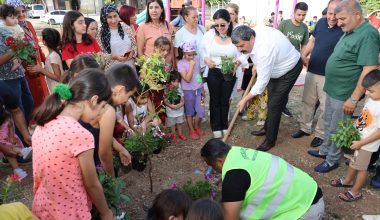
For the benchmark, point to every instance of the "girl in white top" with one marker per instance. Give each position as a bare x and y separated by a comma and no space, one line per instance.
140,110
53,64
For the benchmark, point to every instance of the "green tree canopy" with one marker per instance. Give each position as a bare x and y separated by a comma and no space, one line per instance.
369,5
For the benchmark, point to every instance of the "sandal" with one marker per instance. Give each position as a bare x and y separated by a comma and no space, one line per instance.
349,196
339,183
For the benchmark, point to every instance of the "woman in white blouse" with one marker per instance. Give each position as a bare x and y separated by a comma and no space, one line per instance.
216,44
116,39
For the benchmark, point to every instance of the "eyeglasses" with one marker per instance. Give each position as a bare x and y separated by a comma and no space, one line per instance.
220,25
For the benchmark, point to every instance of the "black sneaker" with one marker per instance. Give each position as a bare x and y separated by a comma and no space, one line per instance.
287,113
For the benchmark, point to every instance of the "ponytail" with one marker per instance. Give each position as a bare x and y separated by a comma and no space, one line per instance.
90,82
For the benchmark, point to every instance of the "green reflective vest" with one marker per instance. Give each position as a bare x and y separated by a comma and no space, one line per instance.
278,190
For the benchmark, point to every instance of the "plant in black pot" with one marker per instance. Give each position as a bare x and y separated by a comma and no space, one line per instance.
228,68
345,134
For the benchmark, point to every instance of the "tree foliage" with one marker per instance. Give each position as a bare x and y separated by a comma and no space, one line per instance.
370,5
216,2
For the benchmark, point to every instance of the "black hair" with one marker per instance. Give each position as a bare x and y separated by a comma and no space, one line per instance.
68,33
124,75
214,149
53,39
205,209
371,79
174,75
301,6
272,13
88,21
78,64
324,12
162,16
89,83
7,11
142,90
4,114
168,203
225,15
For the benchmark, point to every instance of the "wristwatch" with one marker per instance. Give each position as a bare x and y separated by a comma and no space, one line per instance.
353,101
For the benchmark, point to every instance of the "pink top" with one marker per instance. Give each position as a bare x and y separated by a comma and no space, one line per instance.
59,192
4,135
148,33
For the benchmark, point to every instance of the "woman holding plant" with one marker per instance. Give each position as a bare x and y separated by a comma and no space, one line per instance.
37,82
219,53
117,39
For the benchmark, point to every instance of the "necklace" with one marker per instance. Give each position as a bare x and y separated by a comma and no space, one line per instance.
223,37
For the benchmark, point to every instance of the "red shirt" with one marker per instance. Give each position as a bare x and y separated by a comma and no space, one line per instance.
375,21
68,51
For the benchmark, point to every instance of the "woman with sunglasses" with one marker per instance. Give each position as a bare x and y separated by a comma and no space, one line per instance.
217,44
37,82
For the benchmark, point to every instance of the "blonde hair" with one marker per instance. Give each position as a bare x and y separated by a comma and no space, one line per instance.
235,7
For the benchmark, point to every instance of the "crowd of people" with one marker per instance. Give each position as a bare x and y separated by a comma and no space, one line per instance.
68,108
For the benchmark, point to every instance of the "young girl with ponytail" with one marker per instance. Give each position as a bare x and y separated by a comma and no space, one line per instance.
53,63
65,179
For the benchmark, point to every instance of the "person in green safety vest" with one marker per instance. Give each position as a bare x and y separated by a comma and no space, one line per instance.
259,185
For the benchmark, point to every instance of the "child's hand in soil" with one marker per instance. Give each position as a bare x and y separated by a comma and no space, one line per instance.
125,157
356,145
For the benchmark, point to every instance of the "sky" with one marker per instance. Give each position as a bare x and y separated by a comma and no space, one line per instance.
257,10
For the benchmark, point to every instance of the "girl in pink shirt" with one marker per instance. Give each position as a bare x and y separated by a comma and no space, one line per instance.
65,179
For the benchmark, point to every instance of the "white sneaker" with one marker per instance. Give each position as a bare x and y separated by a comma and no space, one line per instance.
26,153
20,172
217,134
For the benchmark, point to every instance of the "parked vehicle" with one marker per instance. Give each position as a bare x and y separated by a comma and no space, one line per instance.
53,17
35,10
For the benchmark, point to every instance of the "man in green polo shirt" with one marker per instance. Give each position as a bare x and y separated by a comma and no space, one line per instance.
259,185
355,55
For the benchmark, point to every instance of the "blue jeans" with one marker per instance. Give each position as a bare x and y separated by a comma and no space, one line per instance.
333,114
20,89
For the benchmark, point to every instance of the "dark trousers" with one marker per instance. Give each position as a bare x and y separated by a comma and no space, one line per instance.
278,92
220,93
21,90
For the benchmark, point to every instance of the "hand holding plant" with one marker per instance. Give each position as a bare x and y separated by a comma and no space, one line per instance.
346,134
21,49
228,65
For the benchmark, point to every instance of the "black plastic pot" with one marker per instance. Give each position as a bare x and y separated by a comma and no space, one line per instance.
228,77
139,162
347,150
158,150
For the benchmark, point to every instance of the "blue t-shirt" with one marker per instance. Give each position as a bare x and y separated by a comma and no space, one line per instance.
325,40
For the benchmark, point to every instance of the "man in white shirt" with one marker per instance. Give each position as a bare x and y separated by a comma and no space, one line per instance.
278,66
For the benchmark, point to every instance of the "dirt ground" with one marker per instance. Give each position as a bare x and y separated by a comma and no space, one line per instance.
178,162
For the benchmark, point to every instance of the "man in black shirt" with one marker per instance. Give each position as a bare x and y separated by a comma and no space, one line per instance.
258,185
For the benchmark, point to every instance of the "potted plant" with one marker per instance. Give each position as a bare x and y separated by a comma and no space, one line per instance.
172,94
112,188
346,132
207,188
154,71
227,68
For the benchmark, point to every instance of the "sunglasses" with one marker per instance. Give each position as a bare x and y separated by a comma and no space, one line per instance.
220,25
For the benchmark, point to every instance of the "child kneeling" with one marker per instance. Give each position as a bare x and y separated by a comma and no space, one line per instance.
369,127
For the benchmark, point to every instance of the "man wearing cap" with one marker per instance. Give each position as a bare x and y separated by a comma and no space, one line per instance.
259,185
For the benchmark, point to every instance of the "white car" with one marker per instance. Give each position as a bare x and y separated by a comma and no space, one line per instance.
53,17
35,10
